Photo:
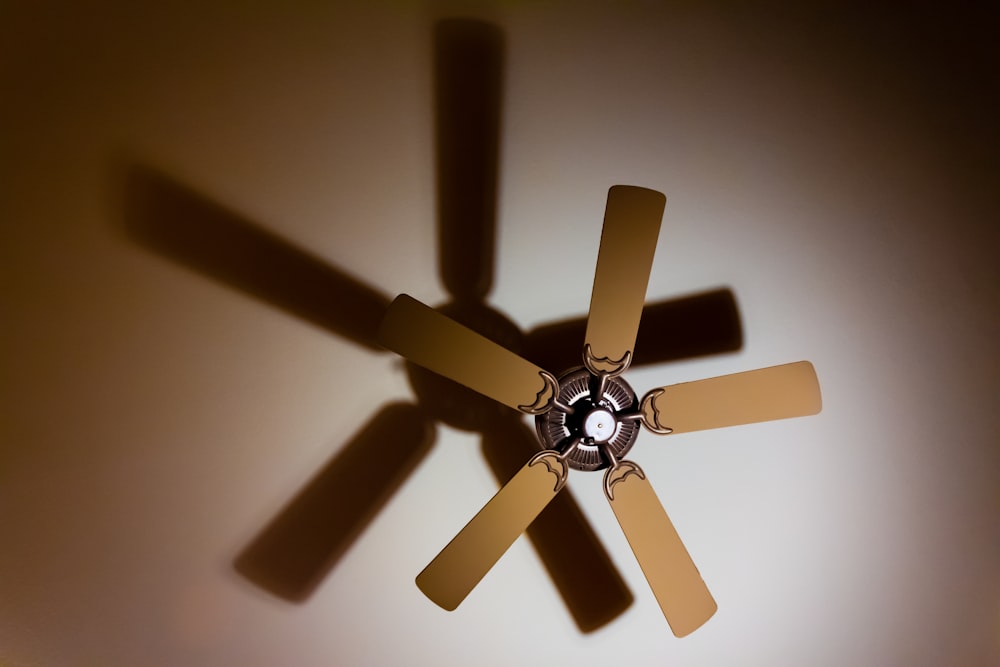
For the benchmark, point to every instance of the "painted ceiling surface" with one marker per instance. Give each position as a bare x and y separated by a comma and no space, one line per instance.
204,210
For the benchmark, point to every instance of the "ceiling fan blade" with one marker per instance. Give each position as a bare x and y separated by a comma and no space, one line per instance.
454,572
438,343
573,555
679,589
777,392
628,242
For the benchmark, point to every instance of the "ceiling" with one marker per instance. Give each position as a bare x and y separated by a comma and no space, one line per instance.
834,168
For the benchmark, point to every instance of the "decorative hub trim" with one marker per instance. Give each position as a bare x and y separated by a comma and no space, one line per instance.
591,425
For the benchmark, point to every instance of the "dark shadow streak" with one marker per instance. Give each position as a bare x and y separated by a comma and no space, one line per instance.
683,328
468,64
177,222
309,535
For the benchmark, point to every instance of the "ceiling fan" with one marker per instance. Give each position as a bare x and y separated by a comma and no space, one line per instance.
303,542
588,418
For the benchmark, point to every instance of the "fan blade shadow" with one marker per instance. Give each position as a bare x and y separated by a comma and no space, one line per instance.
468,62
681,328
307,538
176,222
573,555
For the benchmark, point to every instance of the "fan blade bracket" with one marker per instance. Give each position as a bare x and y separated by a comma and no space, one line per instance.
650,416
604,365
618,474
676,583
462,564
430,339
545,399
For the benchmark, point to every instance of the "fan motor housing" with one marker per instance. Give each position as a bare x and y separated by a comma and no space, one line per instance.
596,425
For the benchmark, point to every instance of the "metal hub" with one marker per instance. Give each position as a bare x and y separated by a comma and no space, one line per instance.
594,424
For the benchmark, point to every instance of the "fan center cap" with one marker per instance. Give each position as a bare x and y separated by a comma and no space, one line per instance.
599,425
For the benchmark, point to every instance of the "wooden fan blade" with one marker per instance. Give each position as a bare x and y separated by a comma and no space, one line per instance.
628,242
572,553
679,589
777,392
438,343
454,572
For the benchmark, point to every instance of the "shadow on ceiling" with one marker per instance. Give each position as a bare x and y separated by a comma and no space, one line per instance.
305,540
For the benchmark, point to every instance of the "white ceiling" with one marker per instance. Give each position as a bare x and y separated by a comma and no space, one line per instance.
832,170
